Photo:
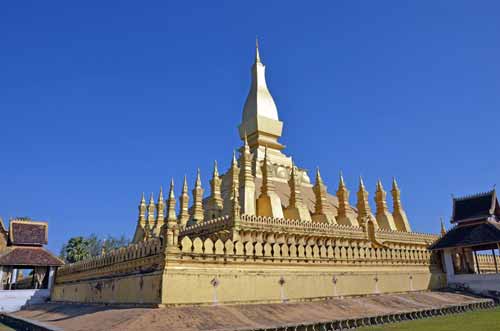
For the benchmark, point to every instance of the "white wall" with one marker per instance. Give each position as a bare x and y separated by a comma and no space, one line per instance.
476,282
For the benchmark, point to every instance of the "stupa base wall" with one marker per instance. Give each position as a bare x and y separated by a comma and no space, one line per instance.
134,289
195,284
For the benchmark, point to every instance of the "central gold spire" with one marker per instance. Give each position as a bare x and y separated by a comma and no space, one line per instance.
260,119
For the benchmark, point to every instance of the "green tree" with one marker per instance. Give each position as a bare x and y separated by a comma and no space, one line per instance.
76,250
96,244
79,248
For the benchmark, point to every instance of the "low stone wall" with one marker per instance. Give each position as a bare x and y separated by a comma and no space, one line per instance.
129,275
199,271
254,273
139,288
262,283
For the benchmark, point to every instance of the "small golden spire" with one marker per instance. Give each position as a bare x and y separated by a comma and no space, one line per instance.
216,171
234,161
171,216
150,224
245,143
197,211
394,184
341,181
185,185
171,193
215,193
363,206
361,184
160,195
160,213
398,212
184,202
267,184
246,180
322,210
384,218
319,180
198,178
443,229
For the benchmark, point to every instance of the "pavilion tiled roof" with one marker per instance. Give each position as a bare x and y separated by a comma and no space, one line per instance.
28,232
476,234
475,207
28,256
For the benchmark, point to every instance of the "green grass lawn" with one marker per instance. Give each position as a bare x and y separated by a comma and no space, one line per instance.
4,327
481,320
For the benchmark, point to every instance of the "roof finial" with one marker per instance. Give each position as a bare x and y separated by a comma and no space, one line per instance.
198,178
245,140
216,170
160,195
341,180
443,229
257,55
185,185
233,160
379,185
171,193
395,184
318,176
361,183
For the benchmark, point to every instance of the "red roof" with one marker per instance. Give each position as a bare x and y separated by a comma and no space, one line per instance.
29,256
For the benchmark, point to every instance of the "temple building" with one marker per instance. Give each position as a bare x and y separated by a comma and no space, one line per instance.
269,183
476,221
27,269
265,230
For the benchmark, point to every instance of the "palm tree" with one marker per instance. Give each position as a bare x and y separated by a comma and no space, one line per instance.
76,249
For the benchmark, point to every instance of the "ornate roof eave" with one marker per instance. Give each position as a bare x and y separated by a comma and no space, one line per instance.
494,207
476,195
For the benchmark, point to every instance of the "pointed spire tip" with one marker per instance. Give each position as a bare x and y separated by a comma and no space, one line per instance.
361,183
257,55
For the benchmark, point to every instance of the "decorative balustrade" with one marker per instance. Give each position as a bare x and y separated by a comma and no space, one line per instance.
271,224
353,250
210,226
403,236
351,254
124,254
487,263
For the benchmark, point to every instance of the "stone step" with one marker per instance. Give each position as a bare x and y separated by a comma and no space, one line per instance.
14,300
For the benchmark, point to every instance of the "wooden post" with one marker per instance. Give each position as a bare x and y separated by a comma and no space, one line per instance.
495,260
477,263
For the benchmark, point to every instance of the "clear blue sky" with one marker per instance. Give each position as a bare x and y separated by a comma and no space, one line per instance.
100,101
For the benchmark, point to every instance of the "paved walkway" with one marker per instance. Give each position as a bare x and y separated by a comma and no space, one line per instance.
74,317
